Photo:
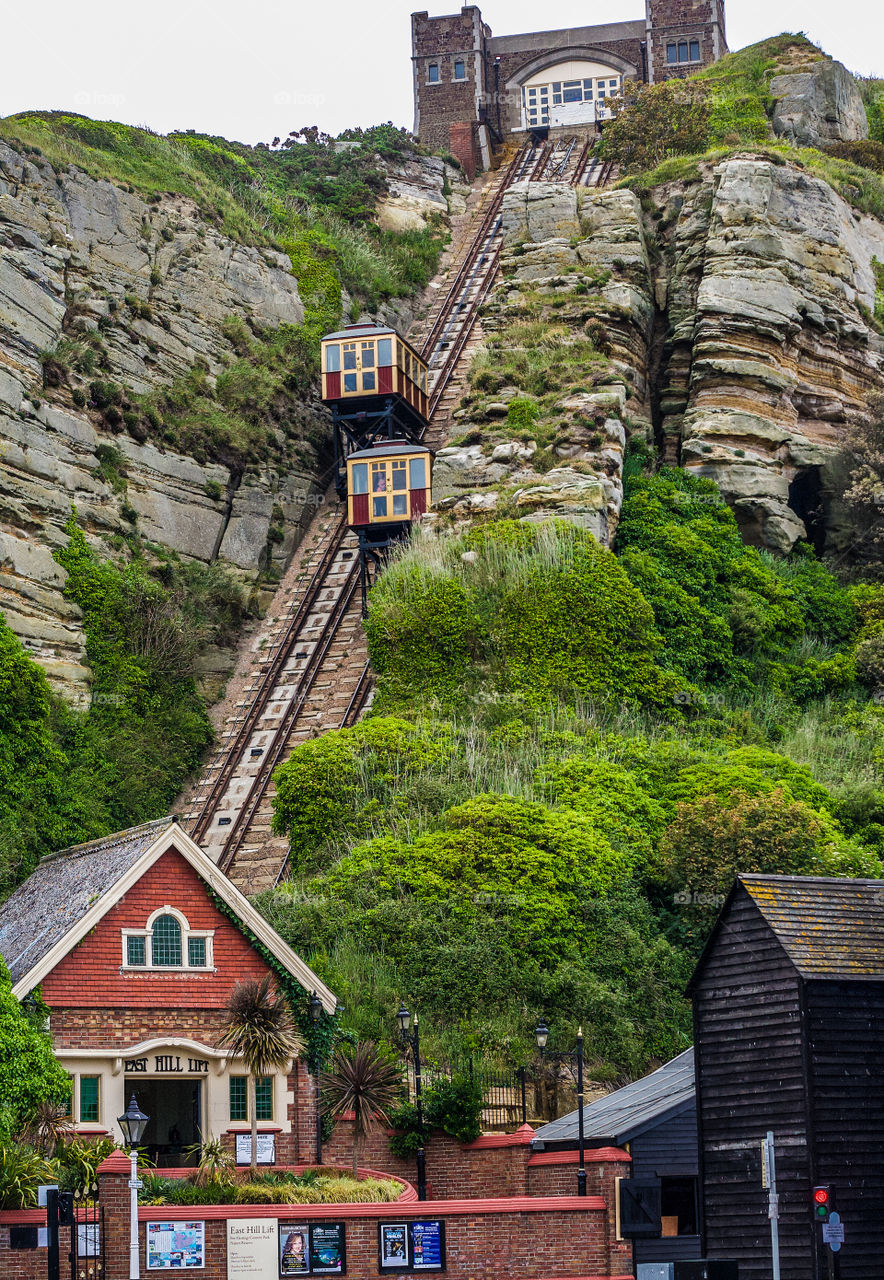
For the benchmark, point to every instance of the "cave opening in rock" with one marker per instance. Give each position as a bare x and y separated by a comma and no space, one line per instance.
806,500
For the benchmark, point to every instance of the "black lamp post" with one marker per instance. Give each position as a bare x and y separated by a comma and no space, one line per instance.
412,1039
315,1015
541,1033
133,1124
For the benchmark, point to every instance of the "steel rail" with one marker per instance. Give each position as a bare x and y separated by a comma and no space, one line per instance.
455,287
279,656
271,758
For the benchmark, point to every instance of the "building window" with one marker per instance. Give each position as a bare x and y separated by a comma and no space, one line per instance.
264,1098
239,1107
433,73
678,1206
460,70
683,51
89,1099
166,942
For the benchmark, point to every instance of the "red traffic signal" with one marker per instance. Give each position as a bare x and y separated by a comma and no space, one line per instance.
822,1203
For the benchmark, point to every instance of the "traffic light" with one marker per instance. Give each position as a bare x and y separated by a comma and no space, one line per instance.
822,1203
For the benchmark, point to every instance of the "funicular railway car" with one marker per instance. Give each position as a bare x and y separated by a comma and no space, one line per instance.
376,386
365,363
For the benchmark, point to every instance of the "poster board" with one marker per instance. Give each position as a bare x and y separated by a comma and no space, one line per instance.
411,1246
178,1246
251,1248
311,1249
266,1146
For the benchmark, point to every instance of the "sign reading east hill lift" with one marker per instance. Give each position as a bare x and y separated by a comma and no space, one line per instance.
251,1248
166,1064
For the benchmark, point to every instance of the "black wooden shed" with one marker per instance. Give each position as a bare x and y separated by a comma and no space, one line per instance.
789,1036
655,1120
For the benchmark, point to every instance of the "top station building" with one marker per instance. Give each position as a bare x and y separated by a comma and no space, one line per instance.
474,90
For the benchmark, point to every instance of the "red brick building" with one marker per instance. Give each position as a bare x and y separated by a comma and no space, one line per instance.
473,89
136,942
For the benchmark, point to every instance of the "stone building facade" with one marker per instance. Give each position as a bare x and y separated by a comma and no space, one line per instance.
473,90
136,943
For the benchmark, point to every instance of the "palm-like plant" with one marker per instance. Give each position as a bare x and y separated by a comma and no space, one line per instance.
49,1126
364,1080
259,1029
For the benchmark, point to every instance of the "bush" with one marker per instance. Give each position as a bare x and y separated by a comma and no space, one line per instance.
652,122
29,1073
542,612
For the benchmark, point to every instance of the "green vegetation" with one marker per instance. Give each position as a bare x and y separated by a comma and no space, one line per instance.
586,747
313,1186
69,775
727,107
306,198
29,1073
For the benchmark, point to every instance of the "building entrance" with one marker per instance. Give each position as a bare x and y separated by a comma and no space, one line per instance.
175,1124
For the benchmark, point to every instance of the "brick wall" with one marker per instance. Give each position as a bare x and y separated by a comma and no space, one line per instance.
91,975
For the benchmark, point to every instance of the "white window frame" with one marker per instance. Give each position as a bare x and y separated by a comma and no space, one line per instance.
208,935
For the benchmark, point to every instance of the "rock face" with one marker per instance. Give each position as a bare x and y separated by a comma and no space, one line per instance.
818,104
767,285
735,312
72,251
574,259
419,189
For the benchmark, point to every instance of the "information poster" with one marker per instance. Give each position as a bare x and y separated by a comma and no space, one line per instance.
393,1246
176,1246
294,1249
428,1246
88,1240
327,1252
266,1148
251,1247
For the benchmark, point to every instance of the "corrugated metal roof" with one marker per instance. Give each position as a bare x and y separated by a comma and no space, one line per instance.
622,1114
829,928
63,888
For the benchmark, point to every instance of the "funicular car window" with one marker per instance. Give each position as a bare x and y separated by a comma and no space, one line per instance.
333,358
360,477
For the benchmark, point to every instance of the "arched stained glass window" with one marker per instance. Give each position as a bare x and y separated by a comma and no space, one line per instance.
166,941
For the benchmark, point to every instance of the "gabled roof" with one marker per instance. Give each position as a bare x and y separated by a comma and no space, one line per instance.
829,928
623,1115
70,891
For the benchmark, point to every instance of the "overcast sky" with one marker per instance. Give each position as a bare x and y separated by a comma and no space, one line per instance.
252,70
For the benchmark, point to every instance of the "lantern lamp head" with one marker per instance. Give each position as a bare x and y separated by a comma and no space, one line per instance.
133,1123
403,1017
315,1007
541,1032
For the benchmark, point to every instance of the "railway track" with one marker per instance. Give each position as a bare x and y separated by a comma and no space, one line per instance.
310,671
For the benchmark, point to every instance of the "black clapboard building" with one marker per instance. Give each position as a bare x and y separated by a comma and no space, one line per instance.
655,1120
789,1036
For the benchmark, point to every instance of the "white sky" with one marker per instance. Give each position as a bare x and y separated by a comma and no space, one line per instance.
253,70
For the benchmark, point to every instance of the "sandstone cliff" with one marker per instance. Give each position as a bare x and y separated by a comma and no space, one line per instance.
153,286
734,311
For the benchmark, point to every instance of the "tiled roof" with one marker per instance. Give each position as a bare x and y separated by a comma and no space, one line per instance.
63,888
621,1115
829,928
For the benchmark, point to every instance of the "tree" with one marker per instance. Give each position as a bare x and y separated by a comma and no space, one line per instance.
261,1031
657,121
29,1073
364,1080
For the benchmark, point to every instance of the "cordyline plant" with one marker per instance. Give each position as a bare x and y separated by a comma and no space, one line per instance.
260,1030
365,1080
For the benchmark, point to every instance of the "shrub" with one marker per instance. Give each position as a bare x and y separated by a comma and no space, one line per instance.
653,122
22,1172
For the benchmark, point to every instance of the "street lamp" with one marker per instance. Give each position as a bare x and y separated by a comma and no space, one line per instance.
541,1034
315,1015
412,1040
133,1124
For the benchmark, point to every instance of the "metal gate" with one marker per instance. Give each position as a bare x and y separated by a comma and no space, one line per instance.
87,1237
